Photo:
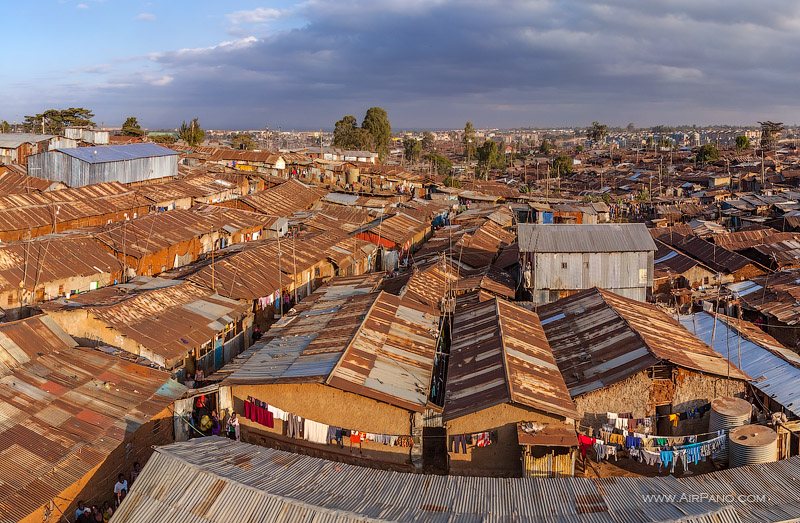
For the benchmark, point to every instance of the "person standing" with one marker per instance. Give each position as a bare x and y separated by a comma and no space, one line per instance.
137,469
120,489
233,427
216,426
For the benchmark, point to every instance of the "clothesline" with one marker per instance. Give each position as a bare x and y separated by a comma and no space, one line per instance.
298,427
651,436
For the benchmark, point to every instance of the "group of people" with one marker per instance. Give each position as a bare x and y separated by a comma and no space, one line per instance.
102,513
207,422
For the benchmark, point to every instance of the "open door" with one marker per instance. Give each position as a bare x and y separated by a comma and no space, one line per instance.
183,413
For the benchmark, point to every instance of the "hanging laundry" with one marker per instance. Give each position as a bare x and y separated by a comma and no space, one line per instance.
315,432
585,443
673,418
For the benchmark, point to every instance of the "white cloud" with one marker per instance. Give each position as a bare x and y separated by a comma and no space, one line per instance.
162,81
145,17
82,6
258,15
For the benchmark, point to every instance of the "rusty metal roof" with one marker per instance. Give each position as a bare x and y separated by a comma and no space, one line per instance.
499,354
670,261
168,321
714,256
284,199
390,358
41,209
155,232
63,410
552,435
263,267
741,240
216,480
604,237
777,296
34,263
399,228
600,338
13,181
479,248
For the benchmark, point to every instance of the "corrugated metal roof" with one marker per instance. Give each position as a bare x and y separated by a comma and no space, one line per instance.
500,355
390,358
118,153
284,199
14,140
217,480
605,237
34,263
600,338
155,232
714,256
168,321
63,410
775,369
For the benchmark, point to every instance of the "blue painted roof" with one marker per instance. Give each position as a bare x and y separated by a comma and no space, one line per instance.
771,374
117,153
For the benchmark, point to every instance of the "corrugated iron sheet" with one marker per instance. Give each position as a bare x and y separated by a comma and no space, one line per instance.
600,338
606,237
285,199
390,358
63,410
500,354
216,480
775,369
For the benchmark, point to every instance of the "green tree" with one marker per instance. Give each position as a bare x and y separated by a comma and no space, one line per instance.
561,165
597,132
191,133
5,127
163,138
131,127
489,157
707,153
243,141
630,127
412,149
579,149
449,181
376,124
742,143
545,147
441,163
428,141
53,121
344,133
468,139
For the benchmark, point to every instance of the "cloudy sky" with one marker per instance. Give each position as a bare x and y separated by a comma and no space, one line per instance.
430,63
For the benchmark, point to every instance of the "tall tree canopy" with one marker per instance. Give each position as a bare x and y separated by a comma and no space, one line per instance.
561,165
131,127
191,133
5,127
412,149
597,132
441,164
53,121
707,153
742,143
243,141
376,123
489,157
428,141
348,135
468,140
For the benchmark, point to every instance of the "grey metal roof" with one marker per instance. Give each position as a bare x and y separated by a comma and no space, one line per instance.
118,153
14,140
771,373
217,480
605,237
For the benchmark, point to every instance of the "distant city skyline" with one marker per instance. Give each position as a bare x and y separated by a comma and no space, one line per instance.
431,64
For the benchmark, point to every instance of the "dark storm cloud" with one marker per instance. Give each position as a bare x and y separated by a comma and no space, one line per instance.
437,63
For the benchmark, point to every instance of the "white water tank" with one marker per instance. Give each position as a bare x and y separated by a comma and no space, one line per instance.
726,414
